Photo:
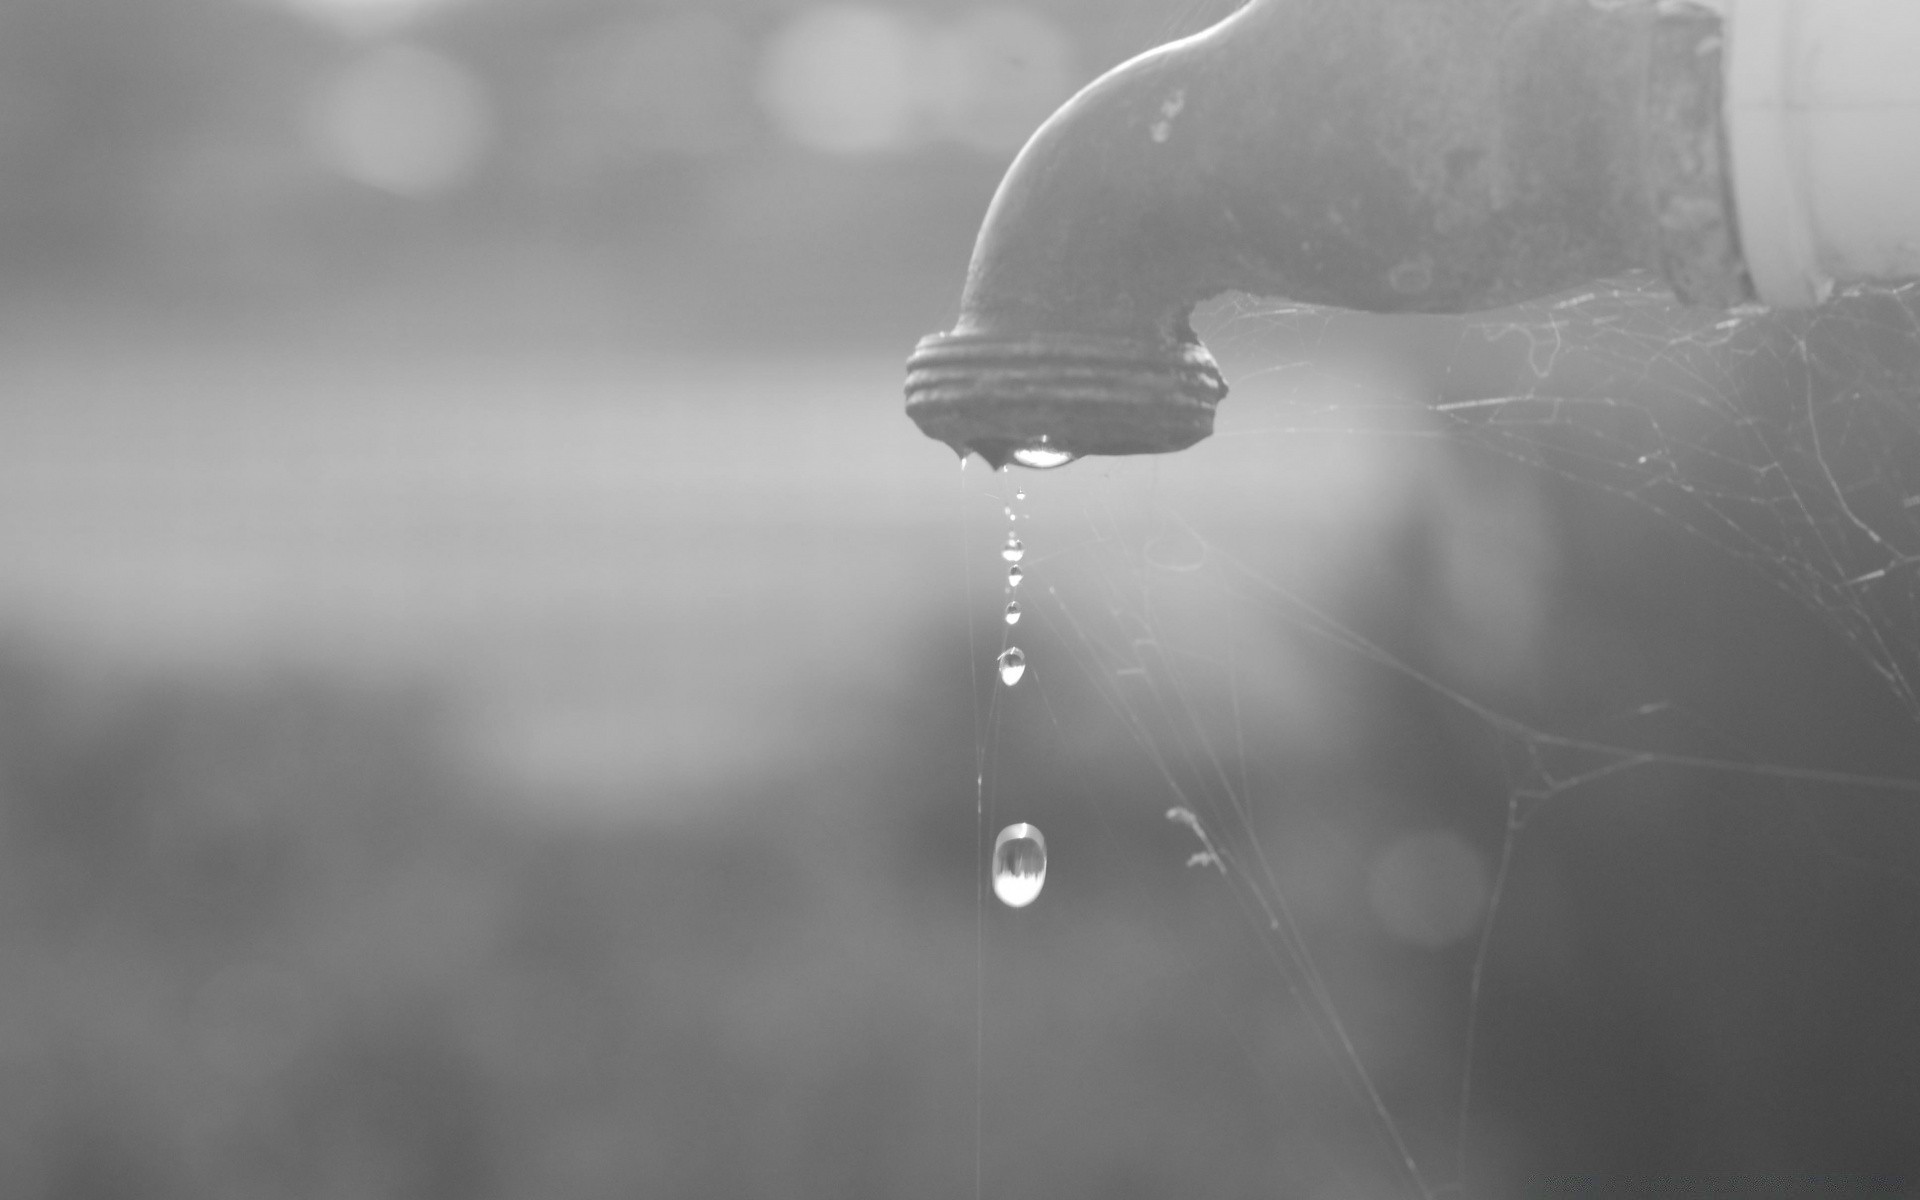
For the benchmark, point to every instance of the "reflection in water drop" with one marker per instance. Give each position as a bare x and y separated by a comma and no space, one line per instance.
1014,576
1013,551
1013,612
1019,865
1041,457
1013,664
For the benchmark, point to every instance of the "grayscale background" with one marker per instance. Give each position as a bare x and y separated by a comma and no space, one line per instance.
491,684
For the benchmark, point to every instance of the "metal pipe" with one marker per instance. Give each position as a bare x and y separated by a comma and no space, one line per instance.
1384,155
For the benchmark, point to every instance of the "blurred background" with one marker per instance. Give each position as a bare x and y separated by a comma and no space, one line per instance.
491,685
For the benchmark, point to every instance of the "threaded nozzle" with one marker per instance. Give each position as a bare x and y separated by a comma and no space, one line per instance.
1048,398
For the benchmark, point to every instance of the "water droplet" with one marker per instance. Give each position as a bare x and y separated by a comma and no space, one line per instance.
1041,456
1013,664
1019,865
1013,612
1020,495
1013,551
1014,576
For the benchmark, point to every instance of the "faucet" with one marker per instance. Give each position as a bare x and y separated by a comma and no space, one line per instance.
1402,156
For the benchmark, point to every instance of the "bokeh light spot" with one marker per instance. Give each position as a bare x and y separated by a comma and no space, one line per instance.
404,120
839,78
1429,889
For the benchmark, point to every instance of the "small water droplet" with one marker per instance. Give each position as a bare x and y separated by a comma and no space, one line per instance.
1013,664
1019,865
1020,495
1014,576
1013,612
1041,457
1013,551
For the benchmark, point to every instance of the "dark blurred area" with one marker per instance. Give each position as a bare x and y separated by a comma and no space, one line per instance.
488,705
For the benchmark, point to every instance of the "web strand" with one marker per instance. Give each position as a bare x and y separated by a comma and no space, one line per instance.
1816,488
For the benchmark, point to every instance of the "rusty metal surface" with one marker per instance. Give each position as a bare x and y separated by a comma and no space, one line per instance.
1687,178
1380,155
1078,394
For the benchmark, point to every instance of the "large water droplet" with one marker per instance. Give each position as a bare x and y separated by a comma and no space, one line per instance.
1014,576
1013,612
1019,865
1013,551
1041,456
1013,664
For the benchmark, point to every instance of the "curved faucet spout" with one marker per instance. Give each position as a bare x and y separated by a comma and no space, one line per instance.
1383,155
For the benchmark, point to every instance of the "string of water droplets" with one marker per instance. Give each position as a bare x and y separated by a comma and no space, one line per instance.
1019,861
1013,661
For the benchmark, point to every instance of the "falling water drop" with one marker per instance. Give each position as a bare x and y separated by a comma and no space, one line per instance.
1013,551
1041,456
1013,664
1014,576
1019,865
1013,612
1020,495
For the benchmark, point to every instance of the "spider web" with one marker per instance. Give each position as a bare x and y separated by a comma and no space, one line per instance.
1790,441
1266,667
